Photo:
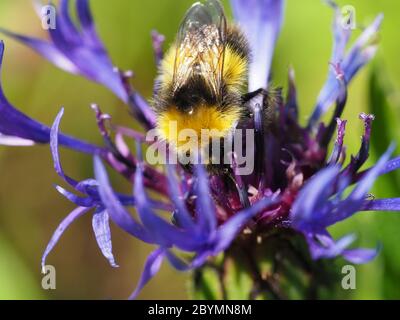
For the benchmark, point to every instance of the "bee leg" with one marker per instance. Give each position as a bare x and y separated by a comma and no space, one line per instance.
250,95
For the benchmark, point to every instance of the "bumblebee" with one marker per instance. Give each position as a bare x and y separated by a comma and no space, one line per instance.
202,77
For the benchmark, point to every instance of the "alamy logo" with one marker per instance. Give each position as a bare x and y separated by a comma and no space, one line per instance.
192,147
49,17
348,17
49,277
349,278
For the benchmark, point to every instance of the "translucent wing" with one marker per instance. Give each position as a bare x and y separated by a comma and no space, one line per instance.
200,45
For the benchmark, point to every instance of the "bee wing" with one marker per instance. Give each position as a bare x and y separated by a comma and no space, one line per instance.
200,45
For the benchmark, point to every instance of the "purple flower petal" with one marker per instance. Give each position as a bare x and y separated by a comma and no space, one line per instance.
79,201
313,208
338,146
87,24
60,230
201,258
261,20
341,35
45,49
117,212
163,232
363,186
363,50
359,255
354,202
158,42
54,149
88,186
14,123
77,52
340,104
182,214
311,205
322,245
101,228
66,23
205,210
142,110
360,54
151,267
176,262
392,204
391,165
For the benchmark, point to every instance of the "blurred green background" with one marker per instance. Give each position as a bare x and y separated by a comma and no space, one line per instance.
30,208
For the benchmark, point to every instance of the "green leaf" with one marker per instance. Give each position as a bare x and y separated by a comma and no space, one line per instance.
205,284
237,280
385,105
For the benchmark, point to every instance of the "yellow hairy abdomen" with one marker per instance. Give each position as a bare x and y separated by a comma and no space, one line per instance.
172,122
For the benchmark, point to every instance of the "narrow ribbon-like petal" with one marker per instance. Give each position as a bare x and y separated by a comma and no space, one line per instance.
14,123
204,203
67,25
340,104
151,267
359,255
182,214
87,23
354,202
392,204
54,132
360,54
311,205
46,50
79,201
114,207
176,262
101,228
158,41
60,230
78,52
163,232
391,165
338,146
261,20
322,245
367,181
